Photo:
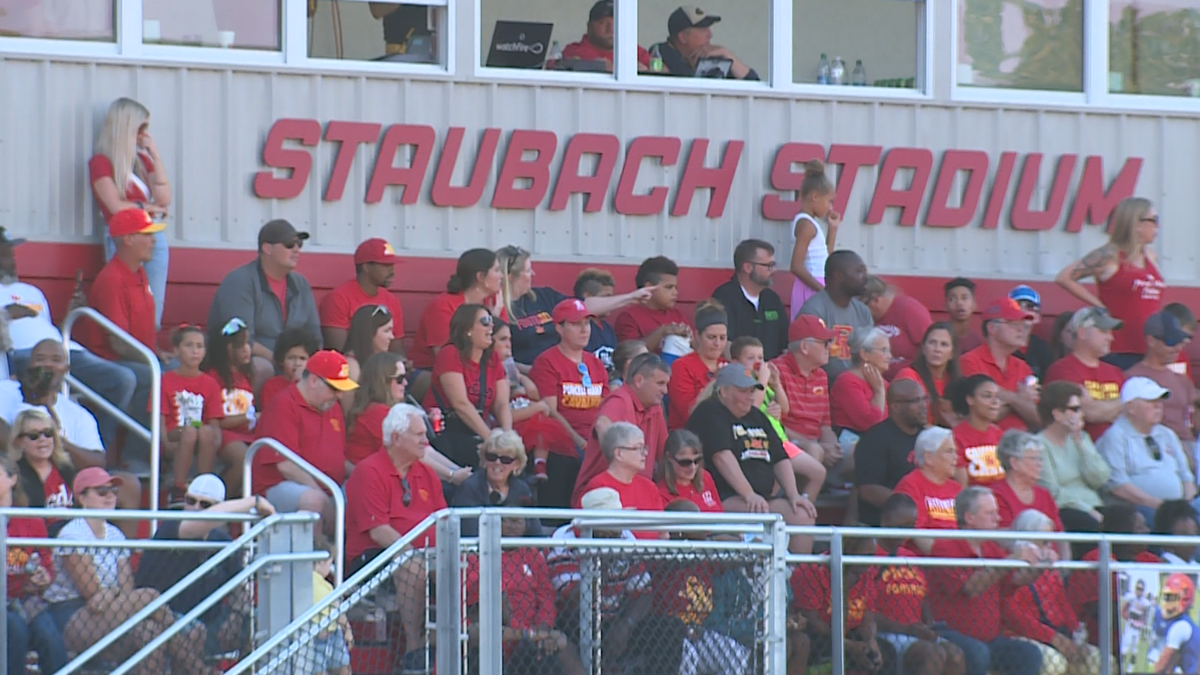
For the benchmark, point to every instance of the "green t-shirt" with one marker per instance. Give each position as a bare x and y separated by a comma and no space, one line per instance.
770,396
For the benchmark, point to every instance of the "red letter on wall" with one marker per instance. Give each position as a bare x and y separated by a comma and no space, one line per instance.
851,158
536,170
775,207
445,194
422,138
1091,199
606,147
920,161
666,148
940,213
350,135
696,175
1023,218
991,217
266,184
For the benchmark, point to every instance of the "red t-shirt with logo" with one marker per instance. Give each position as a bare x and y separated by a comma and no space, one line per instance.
56,491
900,589
689,375
977,453
981,361
1102,382
186,400
342,302
638,495
935,503
812,590
706,497
684,590
434,330
236,400
557,376
100,166
19,557
449,361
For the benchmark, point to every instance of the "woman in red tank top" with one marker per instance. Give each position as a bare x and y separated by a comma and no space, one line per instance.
1128,282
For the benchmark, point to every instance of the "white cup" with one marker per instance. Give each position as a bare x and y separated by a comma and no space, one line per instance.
151,30
225,38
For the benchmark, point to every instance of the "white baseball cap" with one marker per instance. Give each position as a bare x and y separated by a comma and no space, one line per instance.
1142,388
208,486
601,499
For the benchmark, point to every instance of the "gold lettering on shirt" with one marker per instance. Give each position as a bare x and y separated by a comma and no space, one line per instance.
940,509
1102,391
579,397
903,581
982,462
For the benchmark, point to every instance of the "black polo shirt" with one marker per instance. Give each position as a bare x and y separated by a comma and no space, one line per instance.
768,322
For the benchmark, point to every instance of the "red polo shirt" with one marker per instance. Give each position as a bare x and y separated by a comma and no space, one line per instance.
584,49
623,405
123,296
318,437
976,617
639,321
935,503
977,453
557,376
1102,382
900,589
980,360
808,397
342,302
375,497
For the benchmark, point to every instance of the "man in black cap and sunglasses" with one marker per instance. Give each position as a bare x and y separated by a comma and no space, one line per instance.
269,295
689,50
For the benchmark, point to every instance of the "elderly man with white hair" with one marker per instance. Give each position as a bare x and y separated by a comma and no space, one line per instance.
1147,462
388,495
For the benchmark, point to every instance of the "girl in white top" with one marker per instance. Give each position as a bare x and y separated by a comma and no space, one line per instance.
812,244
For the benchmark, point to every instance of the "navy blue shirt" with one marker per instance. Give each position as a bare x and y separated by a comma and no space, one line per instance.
532,325
602,343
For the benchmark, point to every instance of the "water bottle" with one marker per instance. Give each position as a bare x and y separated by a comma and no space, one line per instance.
656,60
859,78
554,56
837,73
823,70
1080,636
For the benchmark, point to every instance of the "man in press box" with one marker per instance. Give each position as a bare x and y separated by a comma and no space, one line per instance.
689,50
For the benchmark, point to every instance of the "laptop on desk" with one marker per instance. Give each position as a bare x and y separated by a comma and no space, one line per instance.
519,44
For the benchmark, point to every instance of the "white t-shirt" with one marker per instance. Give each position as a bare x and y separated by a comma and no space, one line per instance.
105,560
78,425
27,332
818,251
1138,608
752,298
1178,634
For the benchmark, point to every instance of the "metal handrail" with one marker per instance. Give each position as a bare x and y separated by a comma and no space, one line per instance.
165,597
335,492
155,431
122,514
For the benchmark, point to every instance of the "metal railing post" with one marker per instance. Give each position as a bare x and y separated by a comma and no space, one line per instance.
4,592
777,601
300,540
1104,606
837,608
491,642
449,596
275,597
590,634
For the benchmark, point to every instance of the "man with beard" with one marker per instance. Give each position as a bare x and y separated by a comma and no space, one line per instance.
839,308
29,323
753,309
597,43
374,267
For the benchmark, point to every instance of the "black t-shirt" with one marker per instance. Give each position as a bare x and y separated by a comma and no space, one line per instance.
678,65
532,323
768,322
883,455
1038,356
602,343
405,22
752,440
161,569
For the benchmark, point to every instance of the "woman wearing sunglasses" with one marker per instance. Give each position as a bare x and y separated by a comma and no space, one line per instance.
372,330
1072,470
682,475
469,387
43,463
502,459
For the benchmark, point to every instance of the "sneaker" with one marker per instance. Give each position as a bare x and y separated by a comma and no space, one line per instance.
417,662
539,470
175,497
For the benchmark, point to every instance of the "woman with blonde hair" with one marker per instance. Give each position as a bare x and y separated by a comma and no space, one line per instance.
1128,282
126,172
502,458
45,468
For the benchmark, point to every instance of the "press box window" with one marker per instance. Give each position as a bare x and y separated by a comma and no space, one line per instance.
1154,47
563,36
1021,44
358,30
839,43
94,20
240,24
721,39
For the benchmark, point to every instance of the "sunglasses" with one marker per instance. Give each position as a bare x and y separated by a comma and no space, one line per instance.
380,309
503,459
585,374
233,327
202,503
34,435
1152,446
402,378
103,490
406,499
486,320
513,253
290,245
688,463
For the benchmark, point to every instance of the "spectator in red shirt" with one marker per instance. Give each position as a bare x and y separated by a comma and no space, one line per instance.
1005,326
859,398
691,373
374,268
935,368
932,486
227,360
960,306
624,446
968,599
804,382
597,43
638,402
1020,454
658,318
1166,339
1092,329
388,495
306,419
291,353
976,400
190,409
901,317
682,475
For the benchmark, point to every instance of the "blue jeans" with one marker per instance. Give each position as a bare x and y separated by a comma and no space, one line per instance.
1002,655
40,635
156,271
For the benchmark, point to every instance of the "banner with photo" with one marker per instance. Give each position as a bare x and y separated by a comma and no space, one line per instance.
1158,623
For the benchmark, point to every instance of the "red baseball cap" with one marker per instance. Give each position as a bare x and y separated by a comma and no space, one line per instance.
94,476
333,368
375,251
571,309
807,326
1006,309
133,221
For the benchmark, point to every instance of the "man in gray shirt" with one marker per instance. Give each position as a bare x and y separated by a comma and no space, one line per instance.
268,295
839,307
1146,458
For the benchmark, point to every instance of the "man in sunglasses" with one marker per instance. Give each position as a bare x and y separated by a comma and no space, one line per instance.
161,569
374,268
269,295
1146,459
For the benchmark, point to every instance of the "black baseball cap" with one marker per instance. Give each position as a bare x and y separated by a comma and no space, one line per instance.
10,241
279,232
1165,327
688,16
601,10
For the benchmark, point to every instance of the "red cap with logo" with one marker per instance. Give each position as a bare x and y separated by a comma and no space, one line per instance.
375,251
807,327
1006,309
571,309
333,368
132,221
